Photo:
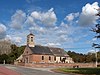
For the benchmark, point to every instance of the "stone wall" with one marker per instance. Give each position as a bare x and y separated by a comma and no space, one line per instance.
68,65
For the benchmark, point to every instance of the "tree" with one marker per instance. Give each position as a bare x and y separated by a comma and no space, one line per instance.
3,58
97,31
15,52
83,58
77,57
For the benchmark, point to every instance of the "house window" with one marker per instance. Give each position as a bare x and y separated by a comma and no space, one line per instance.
42,57
55,58
49,58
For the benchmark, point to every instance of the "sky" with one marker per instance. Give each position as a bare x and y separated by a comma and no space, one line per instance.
65,24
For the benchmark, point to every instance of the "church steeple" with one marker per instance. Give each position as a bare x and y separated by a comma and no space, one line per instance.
30,40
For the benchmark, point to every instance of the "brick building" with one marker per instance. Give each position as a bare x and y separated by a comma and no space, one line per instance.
43,54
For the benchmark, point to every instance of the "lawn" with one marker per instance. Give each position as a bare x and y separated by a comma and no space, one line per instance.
89,71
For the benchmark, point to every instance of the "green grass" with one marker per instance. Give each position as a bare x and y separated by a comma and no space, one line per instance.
95,71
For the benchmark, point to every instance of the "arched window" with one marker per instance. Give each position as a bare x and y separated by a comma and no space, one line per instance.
31,39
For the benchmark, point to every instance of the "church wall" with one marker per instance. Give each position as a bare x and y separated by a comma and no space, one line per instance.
35,58
57,59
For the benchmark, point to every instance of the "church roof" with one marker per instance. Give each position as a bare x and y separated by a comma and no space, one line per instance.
48,50
31,34
58,51
41,50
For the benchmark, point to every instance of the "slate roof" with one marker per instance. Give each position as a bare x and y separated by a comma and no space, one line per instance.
41,50
58,51
44,50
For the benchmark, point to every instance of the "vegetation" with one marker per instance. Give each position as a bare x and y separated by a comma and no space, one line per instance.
77,57
97,31
15,53
83,58
86,71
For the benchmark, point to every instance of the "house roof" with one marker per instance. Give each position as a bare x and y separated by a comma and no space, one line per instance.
44,50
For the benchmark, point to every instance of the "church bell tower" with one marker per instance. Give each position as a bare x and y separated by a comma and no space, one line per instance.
30,40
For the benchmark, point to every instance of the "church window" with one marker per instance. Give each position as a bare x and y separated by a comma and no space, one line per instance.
55,58
42,57
31,39
27,52
49,58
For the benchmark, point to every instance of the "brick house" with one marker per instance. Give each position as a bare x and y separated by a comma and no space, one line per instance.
43,54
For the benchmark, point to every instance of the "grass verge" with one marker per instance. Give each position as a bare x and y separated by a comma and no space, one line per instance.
86,71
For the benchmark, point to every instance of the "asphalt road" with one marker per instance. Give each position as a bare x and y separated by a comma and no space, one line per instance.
33,71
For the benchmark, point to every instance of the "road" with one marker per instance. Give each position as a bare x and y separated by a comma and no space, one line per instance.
32,71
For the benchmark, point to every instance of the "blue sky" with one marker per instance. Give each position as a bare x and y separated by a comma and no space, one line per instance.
59,23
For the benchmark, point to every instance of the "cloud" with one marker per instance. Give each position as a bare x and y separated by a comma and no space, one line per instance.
36,15
30,21
18,19
13,39
47,18
17,39
47,31
65,29
7,38
71,16
87,16
2,31
53,44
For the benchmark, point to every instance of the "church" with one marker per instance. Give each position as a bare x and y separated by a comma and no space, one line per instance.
43,54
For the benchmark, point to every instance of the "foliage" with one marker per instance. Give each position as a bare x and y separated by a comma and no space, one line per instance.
83,58
15,53
3,58
96,29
